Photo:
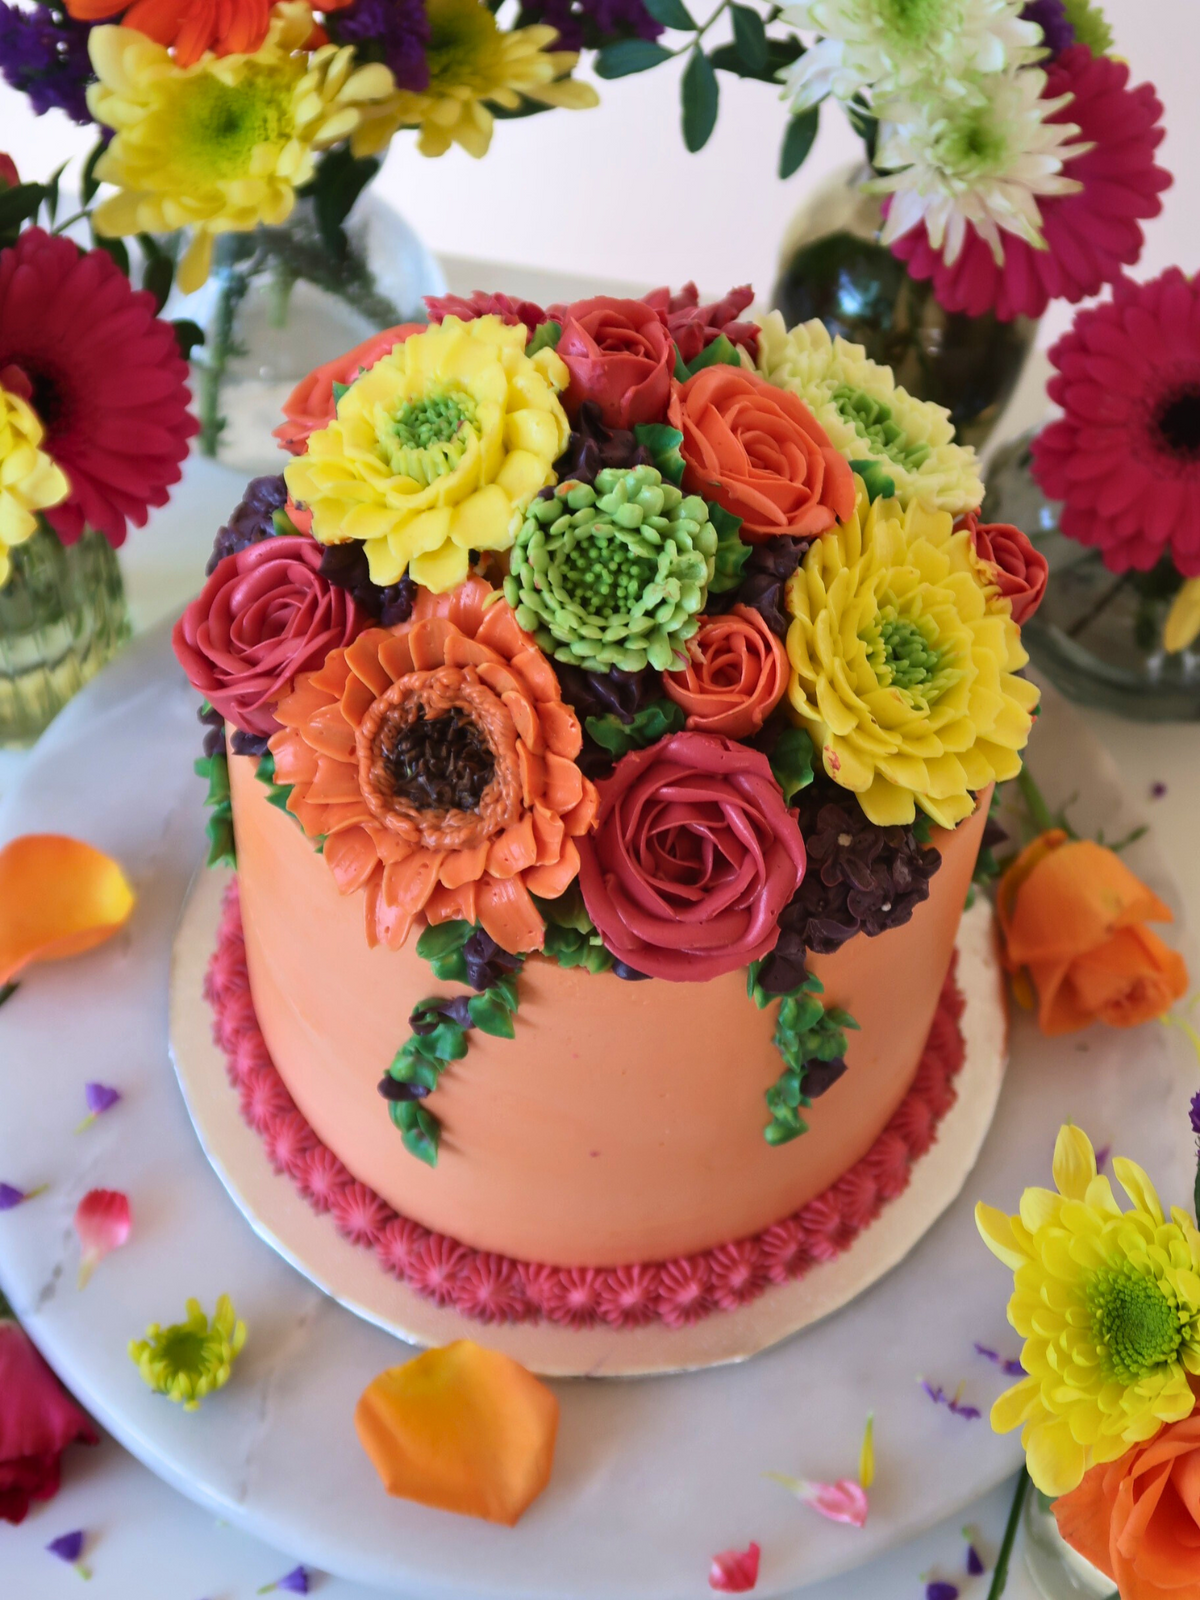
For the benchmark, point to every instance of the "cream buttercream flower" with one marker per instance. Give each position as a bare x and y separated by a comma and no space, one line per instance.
29,480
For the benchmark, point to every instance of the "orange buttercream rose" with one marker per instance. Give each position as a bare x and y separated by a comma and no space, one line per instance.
312,404
437,759
1138,1518
736,674
758,451
1072,915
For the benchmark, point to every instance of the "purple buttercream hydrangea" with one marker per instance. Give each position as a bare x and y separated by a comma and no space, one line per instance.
395,32
591,24
1051,18
44,54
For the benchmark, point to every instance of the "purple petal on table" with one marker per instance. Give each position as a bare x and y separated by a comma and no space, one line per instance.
100,1097
975,1566
68,1546
1157,790
10,1197
952,1403
939,1590
1010,1368
1102,1156
293,1582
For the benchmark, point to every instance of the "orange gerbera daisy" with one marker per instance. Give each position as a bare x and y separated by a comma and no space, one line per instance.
438,760
190,27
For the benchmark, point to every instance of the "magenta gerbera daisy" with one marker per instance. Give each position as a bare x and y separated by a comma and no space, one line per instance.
1090,234
102,372
1125,457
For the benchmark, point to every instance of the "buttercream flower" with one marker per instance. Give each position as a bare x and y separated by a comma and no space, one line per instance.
438,760
694,327
312,404
436,451
265,615
1138,1518
1125,456
613,574
758,451
1073,918
29,480
1108,1304
736,675
224,144
189,1360
694,856
38,1420
867,415
620,355
1010,564
901,672
481,303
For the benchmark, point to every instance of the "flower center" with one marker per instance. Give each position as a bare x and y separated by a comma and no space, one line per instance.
904,654
220,124
973,143
428,437
441,763
1177,422
460,41
603,576
182,1349
913,22
873,421
1134,1321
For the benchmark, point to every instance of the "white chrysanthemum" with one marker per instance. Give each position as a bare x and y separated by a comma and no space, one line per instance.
982,158
890,45
868,416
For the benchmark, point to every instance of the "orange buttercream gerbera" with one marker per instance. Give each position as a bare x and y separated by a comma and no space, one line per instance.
191,27
438,761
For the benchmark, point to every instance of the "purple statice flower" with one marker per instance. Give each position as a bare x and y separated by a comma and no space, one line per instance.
591,24
44,54
952,1402
100,1098
1195,1115
1051,17
395,32
293,1582
1011,1369
68,1546
939,1589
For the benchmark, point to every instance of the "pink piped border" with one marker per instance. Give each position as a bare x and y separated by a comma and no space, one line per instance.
494,1288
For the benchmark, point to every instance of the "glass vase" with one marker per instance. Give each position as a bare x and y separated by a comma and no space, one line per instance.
1057,1571
62,616
832,266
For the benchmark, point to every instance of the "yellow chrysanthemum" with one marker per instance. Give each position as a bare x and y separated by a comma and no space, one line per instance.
471,62
223,145
436,451
1108,1303
189,1360
868,416
901,670
29,481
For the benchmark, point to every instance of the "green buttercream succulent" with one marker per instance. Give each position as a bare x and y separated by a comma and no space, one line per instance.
615,574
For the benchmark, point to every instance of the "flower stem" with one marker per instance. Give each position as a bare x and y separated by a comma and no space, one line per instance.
1000,1576
217,351
1035,800
1081,624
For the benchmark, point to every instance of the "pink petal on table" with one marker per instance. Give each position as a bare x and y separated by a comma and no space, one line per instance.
843,1501
103,1222
735,1571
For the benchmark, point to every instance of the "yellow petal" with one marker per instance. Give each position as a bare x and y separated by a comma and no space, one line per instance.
1183,620
996,1231
1074,1162
58,897
1137,1186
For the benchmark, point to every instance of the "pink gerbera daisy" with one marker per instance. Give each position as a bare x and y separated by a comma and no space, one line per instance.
102,372
1090,234
1125,457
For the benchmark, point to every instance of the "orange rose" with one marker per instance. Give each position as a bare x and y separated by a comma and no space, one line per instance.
758,451
311,404
1138,1518
1072,917
736,673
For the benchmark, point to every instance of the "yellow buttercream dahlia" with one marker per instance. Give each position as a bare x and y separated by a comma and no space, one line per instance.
436,451
868,416
902,672
1108,1303
29,480
223,145
474,64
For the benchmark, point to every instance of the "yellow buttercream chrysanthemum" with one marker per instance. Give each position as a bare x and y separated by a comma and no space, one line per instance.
868,416
471,63
29,480
1108,1303
436,451
189,1360
901,671
223,145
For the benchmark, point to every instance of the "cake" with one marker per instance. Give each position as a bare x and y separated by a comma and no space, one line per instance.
605,705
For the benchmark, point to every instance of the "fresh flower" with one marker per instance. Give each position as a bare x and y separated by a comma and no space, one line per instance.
1051,17
1090,234
735,1571
736,674
463,1429
38,1420
103,374
1009,564
190,1360
1073,919
438,760
593,23
44,54
758,451
619,354
694,327
613,574
191,28
867,415
436,451
103,1222
1108,1303
694,856
1182,626
1125,456
58,897
903,676
265,615
224,144
312,404
9,176
29,480
1138,1519
395,32
1089,25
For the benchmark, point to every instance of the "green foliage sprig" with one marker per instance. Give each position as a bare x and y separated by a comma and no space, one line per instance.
222,852
806,1030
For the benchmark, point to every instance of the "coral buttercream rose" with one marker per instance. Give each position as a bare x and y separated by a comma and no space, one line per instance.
1018,571
736,674
694,856
38,1420
758,451
1073,918
312,404
264,615
1138,1518
620,355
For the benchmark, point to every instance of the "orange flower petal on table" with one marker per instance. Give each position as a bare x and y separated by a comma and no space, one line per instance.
58,897
462,1429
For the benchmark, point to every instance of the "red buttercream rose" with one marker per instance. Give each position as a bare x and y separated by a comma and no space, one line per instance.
38,1420
694,856
620,355
264,615
735,676
693,327
312,405
1018,570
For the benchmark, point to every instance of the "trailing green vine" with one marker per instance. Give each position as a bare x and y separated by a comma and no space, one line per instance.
811,1038
571,937
222,852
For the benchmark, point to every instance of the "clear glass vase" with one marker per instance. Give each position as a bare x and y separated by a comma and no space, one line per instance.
62,617
1057,1571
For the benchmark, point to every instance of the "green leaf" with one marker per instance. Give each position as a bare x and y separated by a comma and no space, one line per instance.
188,335
798,139
922,827
700,97
89,183
546,337
780,54
720,353
111,247
569,947
7,990
672,14
865,126
750,37
157,277
421,1131
219,829
792,762
339,389
663,443
878,484
627,56
491,1015
341,178
411,1067
651,723
732,553
52,193
442,939
568,911
18,204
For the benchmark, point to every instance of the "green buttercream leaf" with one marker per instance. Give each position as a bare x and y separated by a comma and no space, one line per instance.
720,353
663,443
490,1015
792,762
568,911
732,553
339,389
762,999
421,1131
922,827
570,947
546,337
441,940
216,769
505,990
878,484
651,723
284,527
410,1066
221,849
805,1032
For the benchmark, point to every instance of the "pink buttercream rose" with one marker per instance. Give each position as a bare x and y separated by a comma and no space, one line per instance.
1018,570
620,355
38,1420
264,615
694,856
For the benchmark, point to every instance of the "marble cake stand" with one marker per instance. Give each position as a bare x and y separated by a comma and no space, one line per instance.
652,1476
